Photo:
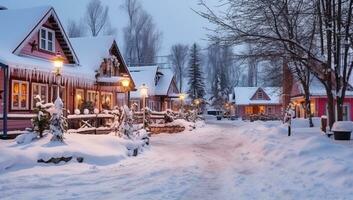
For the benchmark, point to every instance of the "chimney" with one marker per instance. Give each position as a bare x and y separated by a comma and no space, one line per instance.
287,83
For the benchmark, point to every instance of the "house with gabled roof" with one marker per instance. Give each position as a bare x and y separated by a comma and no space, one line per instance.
162,88
318,100
93,68
257,100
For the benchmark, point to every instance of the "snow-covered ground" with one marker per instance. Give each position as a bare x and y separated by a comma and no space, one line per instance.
222,160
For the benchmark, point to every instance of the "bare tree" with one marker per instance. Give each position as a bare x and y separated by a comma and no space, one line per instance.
142,39
316,34
75,29
96,16
109,29
179,57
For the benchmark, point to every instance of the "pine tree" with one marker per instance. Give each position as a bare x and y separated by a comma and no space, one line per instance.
195,75
58,124
41,121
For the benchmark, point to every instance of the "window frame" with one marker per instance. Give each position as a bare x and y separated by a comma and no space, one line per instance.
20,82
46,39
88,92
40,91
249,110
82,91
102,100
348,117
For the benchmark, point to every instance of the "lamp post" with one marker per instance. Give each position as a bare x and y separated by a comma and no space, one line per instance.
144,95
5,98
58,65
125,82
182,97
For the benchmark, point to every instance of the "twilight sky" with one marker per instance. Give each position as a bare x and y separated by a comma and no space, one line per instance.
176,20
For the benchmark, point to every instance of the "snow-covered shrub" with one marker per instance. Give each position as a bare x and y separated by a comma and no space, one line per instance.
58,124
289,114
96,111
168,116
126,125
41,121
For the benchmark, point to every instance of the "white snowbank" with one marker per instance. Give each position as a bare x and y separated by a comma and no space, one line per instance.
95,149
304,123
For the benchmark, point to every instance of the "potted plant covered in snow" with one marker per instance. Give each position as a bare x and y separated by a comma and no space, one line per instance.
342,130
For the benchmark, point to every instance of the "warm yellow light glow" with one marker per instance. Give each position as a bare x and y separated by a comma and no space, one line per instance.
144,91
197,101
78,97
182,96
125,82
58,63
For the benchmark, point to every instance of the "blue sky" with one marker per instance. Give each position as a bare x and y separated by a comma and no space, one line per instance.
174,18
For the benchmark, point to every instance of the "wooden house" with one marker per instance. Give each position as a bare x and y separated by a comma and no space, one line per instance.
257,100
318,100
162,89
30,39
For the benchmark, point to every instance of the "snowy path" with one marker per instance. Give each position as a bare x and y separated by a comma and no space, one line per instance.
223,160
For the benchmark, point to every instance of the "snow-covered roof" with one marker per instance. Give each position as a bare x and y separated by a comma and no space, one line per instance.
316,88
243,95
92,50
165,81
144,75
16,26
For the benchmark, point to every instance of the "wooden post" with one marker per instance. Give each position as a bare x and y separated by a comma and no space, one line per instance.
289,127
5,105
128,99
144,111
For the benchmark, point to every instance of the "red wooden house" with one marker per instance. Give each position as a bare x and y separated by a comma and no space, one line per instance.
30,40
318,100
257,100
162,88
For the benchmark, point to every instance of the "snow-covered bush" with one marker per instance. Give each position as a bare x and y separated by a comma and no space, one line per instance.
58,124
289,114
41,121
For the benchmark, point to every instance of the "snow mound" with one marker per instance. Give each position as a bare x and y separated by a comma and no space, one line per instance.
25,138
304,123
100,150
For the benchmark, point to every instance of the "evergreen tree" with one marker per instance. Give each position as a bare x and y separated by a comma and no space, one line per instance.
41,121
58,124
195,75
219,61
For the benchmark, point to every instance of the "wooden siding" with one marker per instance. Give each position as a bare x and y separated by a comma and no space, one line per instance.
27,49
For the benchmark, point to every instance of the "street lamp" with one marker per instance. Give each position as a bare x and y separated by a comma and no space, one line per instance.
58,62
144,95
182,97
125,82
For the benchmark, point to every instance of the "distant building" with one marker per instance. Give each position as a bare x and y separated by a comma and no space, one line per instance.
318,100
257,100
162,88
